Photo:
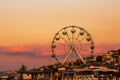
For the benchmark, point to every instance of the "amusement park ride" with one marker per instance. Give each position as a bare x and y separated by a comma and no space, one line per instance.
70,43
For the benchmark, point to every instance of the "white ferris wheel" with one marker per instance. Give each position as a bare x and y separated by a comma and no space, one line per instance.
71,43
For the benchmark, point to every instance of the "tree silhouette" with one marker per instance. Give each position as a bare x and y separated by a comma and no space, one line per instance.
23,68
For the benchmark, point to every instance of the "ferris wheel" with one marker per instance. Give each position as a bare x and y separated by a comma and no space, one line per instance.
71,43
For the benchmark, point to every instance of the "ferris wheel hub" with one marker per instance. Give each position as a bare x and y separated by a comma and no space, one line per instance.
72,46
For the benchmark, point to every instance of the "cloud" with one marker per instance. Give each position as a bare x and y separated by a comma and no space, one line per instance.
28,51
104,48
36,56
36,51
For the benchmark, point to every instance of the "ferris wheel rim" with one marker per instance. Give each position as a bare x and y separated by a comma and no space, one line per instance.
88,34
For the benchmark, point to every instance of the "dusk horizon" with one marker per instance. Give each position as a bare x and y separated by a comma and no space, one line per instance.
27,28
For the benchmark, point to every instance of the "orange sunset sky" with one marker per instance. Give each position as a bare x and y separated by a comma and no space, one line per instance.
27,28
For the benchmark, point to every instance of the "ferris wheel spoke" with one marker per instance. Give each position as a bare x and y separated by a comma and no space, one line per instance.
80,40
73,31
62,44
65,40
66,33
83,46
68,38
72,38
76,38
84,49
